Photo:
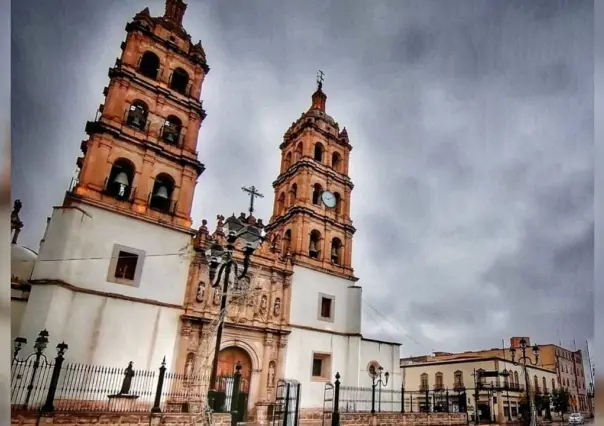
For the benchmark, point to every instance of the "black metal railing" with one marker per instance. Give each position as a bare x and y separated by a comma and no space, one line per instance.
42,386
372,399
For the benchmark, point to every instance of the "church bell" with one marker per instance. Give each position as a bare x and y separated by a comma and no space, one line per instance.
162,192
313,247
121,179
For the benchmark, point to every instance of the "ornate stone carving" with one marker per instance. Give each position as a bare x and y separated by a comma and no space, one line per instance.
263,304
201,292
277,307
217,294
190,364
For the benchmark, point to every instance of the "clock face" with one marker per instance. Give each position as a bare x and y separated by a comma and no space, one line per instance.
329,199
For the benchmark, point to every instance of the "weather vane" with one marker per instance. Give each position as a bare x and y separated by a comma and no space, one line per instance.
320,75
253,191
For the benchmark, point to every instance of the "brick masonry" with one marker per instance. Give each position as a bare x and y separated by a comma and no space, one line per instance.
117,419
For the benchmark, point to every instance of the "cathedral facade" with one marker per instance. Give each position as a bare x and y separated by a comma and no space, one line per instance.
121,276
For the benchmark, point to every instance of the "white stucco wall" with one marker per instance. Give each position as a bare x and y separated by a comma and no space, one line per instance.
388,356
85,241
308,284
17,309
102,330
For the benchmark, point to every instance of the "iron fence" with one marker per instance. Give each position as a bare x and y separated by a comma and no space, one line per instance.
43,386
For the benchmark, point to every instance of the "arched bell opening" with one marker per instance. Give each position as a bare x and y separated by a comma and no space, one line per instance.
336,251
149,65
336,161
179,81
281,204
171,130
317,190
161,196
137,115
286,241
293,194
314,246
121,177
319,151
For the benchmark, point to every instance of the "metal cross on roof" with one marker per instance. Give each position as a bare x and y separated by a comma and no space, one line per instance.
320,75
253,191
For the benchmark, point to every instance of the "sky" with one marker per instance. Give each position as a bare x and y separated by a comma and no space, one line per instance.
472,123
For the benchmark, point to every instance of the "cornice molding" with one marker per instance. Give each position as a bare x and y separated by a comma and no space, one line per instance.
307,163
289,138
295,210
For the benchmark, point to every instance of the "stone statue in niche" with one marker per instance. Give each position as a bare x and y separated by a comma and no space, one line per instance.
217,294
263,304
277,307
190,365
271,375
201,291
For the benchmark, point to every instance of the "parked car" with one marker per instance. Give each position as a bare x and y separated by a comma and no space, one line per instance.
576,419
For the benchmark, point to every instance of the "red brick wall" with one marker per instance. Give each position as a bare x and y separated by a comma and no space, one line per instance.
110,419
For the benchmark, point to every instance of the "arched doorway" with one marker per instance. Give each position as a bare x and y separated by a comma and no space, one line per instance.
227,361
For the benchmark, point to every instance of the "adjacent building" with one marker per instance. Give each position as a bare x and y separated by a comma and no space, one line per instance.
567,365
497,400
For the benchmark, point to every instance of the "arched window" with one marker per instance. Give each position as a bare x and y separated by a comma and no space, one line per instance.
544,385
298,153
536,383
179,80
316,193
149,65
483,380
424,381
319,150
281,203
516,381
287,240
119,182
288,161
506,382
137,115
438,381
171,130
162,193
338,203
553,384
293,194
314,245
336,251
458,380
336,161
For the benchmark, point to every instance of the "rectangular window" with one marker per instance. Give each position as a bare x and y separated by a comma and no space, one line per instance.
326,307
125,266
321,366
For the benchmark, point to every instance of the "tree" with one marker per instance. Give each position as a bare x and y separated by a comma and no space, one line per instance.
524,409
560,398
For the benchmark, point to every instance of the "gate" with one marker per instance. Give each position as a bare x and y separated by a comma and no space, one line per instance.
226,383
287,403
327,404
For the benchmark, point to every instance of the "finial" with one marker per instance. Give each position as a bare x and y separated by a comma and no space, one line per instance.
320,75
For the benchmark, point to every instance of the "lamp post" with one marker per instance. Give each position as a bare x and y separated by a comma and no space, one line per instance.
381,381
222,265
524,359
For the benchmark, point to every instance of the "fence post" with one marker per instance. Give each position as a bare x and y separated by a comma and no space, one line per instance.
427,401
403,399
411,403
235,394
335,415
296,420
160,385
373,396
447,399
54,379
286,409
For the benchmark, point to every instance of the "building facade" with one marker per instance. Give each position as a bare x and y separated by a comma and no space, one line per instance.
121,276
566,364
499,399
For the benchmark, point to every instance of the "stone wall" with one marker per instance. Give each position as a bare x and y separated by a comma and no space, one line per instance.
398,419
118,419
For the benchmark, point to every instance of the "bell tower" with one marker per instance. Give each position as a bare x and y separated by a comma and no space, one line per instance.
115,257
140,157
312,192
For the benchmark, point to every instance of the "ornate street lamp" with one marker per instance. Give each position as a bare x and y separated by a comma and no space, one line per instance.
222,265
381,381
524,359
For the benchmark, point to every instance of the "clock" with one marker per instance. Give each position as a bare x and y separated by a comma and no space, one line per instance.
329,199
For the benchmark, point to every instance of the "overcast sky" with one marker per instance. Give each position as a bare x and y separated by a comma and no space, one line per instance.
471,121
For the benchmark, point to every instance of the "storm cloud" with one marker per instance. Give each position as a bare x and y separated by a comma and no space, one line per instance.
471,121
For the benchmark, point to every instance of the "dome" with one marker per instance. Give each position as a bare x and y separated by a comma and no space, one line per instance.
22,262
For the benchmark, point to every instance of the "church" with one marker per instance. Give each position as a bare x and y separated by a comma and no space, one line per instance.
121,275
